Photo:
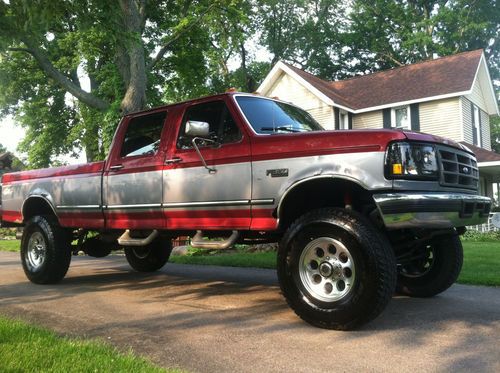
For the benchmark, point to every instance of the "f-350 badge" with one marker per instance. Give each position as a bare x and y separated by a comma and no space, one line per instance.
278,172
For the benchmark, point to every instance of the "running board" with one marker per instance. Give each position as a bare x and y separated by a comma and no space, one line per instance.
200,243
126,240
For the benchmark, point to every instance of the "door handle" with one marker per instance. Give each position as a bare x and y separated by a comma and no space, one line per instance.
116,168
173,160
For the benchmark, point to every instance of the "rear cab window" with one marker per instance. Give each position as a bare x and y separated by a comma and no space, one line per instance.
143,135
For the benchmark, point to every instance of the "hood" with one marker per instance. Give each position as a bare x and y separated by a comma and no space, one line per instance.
425,137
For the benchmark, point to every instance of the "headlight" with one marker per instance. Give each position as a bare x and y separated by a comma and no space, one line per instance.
413,161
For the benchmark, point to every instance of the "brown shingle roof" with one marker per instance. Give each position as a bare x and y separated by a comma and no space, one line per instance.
483,155
445,75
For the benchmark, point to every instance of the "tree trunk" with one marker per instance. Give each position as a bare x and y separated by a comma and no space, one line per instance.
135,94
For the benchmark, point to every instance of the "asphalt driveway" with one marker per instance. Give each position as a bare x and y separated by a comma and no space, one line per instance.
215,319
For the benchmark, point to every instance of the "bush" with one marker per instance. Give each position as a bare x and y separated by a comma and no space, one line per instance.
7,233
475,236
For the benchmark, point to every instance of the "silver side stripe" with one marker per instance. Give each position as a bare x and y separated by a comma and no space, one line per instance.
79,207
242,202
138,206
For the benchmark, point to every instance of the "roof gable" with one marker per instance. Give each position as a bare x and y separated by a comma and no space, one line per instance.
449,76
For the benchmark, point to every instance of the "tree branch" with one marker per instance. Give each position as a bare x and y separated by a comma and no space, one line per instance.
61,79
176,37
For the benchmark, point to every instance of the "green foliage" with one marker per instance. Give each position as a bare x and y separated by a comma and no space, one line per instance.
26,348
388,33
189,49
475,236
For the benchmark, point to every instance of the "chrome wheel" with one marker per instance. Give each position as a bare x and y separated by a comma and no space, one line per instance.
327,269
37,251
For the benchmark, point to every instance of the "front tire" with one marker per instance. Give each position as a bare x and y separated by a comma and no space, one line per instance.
335,269
437,269
151,257
45,250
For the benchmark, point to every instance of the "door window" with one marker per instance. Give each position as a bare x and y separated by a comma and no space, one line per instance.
222,126
143,135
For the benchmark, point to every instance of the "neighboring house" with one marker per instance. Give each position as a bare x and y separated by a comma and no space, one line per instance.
450,96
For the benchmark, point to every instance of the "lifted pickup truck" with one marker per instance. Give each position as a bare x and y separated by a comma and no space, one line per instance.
358,214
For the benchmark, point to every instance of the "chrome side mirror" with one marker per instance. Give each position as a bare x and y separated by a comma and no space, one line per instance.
196,128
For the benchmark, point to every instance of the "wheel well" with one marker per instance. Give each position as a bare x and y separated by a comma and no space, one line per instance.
34,206
325,192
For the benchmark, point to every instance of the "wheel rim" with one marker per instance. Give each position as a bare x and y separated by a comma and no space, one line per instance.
327,269
420,267
141,252
37,251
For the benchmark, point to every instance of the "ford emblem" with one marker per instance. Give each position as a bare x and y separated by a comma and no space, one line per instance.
465,170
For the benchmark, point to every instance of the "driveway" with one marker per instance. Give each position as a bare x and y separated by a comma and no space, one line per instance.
215,319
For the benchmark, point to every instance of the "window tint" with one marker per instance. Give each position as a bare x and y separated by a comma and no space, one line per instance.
268,116
221,124
143,135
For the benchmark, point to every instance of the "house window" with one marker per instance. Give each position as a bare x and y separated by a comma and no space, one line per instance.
477,123
400,117
344,121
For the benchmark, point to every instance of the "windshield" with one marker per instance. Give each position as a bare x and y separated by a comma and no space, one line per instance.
268,116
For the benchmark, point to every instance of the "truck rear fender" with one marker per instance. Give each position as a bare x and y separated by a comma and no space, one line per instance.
321,191
38,203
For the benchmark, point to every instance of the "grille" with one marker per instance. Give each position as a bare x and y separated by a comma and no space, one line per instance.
458,169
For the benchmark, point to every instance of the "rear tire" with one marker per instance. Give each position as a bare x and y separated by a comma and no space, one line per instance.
436,271
151,257
335,269
45,250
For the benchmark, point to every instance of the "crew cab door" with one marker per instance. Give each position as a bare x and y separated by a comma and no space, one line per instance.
133,177
195,197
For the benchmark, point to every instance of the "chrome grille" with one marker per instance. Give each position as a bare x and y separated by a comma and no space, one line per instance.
458,169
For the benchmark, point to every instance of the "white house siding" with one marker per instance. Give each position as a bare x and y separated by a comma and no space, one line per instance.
477,95
467,120
372,120
485,130
467,123
442,118
288,89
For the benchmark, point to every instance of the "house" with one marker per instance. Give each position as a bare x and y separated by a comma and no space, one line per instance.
451,96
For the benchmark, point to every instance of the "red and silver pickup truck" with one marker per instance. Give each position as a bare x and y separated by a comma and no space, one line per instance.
357,214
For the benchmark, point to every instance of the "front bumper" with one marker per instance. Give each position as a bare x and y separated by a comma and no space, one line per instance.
432,210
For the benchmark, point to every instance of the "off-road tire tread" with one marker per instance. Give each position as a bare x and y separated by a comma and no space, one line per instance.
161,248
58,250
379,249
449,267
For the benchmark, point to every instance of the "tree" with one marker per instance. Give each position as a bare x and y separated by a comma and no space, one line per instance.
388,33
131,51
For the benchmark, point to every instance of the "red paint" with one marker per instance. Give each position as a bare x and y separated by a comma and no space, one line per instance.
263,220
11,216
89,168
93,220
208,219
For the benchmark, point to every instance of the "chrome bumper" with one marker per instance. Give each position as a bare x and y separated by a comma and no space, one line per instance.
432,210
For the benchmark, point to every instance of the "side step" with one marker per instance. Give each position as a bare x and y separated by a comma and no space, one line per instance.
126,240
200,243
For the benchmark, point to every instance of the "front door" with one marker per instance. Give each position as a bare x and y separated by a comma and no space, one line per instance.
195,197
133,178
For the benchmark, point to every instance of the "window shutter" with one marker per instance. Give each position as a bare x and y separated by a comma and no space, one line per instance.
350,120
336,113
386,113
415,117
474,132
480,142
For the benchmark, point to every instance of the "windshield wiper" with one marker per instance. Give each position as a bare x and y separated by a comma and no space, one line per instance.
274,129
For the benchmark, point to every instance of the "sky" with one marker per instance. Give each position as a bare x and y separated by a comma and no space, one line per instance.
10,134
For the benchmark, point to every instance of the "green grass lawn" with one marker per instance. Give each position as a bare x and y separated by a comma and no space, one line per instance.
481,260
10,245
25,348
